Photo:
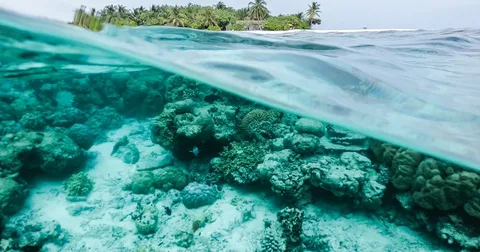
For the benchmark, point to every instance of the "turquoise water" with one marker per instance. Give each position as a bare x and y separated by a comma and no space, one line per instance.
416,89
168,139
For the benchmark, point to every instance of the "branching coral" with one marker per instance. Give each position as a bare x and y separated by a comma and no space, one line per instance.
291,221
272,240
239,161
79,185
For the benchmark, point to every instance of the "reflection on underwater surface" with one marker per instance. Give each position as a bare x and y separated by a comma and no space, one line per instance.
100,152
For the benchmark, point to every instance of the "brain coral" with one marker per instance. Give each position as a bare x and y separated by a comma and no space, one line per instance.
438,185
404,166
197,195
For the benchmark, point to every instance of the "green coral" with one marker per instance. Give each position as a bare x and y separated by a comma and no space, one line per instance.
169,178
439,185
383,152
142,182
404,167
239,160
79,185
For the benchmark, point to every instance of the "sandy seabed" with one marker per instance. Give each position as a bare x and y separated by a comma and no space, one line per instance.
235,222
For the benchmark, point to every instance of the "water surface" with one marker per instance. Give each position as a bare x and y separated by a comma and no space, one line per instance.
417,89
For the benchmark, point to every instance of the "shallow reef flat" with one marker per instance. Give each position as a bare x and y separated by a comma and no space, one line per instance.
234,222
151,161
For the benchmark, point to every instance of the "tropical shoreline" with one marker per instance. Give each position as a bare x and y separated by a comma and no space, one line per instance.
216,17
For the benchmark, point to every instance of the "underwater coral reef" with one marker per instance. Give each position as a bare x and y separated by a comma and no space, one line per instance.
150,161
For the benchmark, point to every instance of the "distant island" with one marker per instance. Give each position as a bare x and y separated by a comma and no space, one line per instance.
219,17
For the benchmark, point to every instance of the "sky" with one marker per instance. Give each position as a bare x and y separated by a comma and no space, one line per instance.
336,14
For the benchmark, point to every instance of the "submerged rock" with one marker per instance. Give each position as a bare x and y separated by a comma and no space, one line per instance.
34,152
12,196
338,140
309,126
454,230
101,120
126,151
82,135
28,234
33,121
154,161
66,117
6,112
350,175
302,144
182,126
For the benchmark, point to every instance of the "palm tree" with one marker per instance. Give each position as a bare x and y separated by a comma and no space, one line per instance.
220,6
299,15
258,9
209,18
109,14
79,15
312,14
139,16
110,8
242,13
192,10
122,11
154,8
176,17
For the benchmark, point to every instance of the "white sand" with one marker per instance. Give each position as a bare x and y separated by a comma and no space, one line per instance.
331,31
105,225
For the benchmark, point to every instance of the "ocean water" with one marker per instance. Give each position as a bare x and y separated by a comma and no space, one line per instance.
268,128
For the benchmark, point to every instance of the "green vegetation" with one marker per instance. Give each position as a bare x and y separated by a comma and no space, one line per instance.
313,15
282,23
218,17
258,10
